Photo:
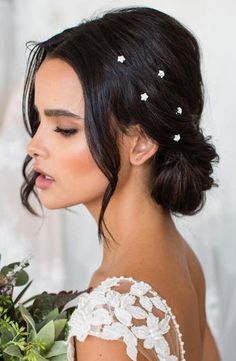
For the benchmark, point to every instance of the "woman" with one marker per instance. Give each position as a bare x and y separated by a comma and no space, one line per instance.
113,107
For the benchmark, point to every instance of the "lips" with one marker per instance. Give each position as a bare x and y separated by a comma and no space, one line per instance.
40,171
43,180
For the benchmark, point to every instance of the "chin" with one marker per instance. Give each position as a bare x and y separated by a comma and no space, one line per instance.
53,201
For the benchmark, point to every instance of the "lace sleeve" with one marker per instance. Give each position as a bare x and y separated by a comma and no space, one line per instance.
132,312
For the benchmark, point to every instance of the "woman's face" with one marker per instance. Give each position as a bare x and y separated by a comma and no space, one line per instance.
67,159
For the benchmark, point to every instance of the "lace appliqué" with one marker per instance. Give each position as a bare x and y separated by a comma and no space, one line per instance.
109,314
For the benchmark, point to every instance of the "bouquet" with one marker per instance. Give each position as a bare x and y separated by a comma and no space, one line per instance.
36,329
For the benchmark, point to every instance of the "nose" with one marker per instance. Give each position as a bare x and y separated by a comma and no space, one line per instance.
35,149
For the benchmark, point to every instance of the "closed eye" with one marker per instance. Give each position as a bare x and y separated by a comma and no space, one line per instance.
66,132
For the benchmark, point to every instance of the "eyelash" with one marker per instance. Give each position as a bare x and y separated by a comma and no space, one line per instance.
65,132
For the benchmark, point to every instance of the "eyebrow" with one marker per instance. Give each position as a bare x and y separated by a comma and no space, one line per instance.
59,113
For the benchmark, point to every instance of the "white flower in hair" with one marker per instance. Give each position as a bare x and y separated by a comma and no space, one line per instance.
161,73
179,110
121,58
144,96
177,137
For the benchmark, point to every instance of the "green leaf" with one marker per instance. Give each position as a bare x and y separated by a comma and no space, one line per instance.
5,269
59,326
31,336
21,276
47,335
52,315
13,350
38,357
7,334
28,318
12,265
22,293
62,357
58,348
46,302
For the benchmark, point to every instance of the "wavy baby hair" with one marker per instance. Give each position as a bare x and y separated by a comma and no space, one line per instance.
149,40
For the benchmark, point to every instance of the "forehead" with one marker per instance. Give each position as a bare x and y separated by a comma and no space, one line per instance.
56,81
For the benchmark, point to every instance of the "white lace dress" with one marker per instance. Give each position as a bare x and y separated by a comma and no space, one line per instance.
129,310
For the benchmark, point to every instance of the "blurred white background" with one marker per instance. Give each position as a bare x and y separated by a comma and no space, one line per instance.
64,245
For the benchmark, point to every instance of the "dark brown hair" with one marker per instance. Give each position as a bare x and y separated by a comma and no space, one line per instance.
150,40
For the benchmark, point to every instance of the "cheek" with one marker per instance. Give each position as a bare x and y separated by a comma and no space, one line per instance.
79,168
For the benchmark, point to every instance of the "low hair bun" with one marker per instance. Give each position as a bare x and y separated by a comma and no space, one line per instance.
179,178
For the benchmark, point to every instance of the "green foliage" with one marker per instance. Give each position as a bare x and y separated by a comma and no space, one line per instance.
36,332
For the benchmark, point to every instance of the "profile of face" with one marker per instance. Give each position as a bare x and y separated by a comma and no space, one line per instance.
63,156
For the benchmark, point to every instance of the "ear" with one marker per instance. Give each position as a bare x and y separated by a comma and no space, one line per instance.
141,147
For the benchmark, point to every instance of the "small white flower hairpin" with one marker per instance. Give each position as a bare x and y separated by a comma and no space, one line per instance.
121,58
161,73
176,137
144,96
179,110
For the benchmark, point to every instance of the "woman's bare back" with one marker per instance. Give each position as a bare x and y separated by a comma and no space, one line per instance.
176,274
178,278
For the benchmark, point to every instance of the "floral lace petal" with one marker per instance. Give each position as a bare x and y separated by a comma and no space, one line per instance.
136,314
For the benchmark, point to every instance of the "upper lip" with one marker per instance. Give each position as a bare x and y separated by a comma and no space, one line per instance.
39,170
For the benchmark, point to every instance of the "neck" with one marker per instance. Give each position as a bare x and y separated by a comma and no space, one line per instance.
138,225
